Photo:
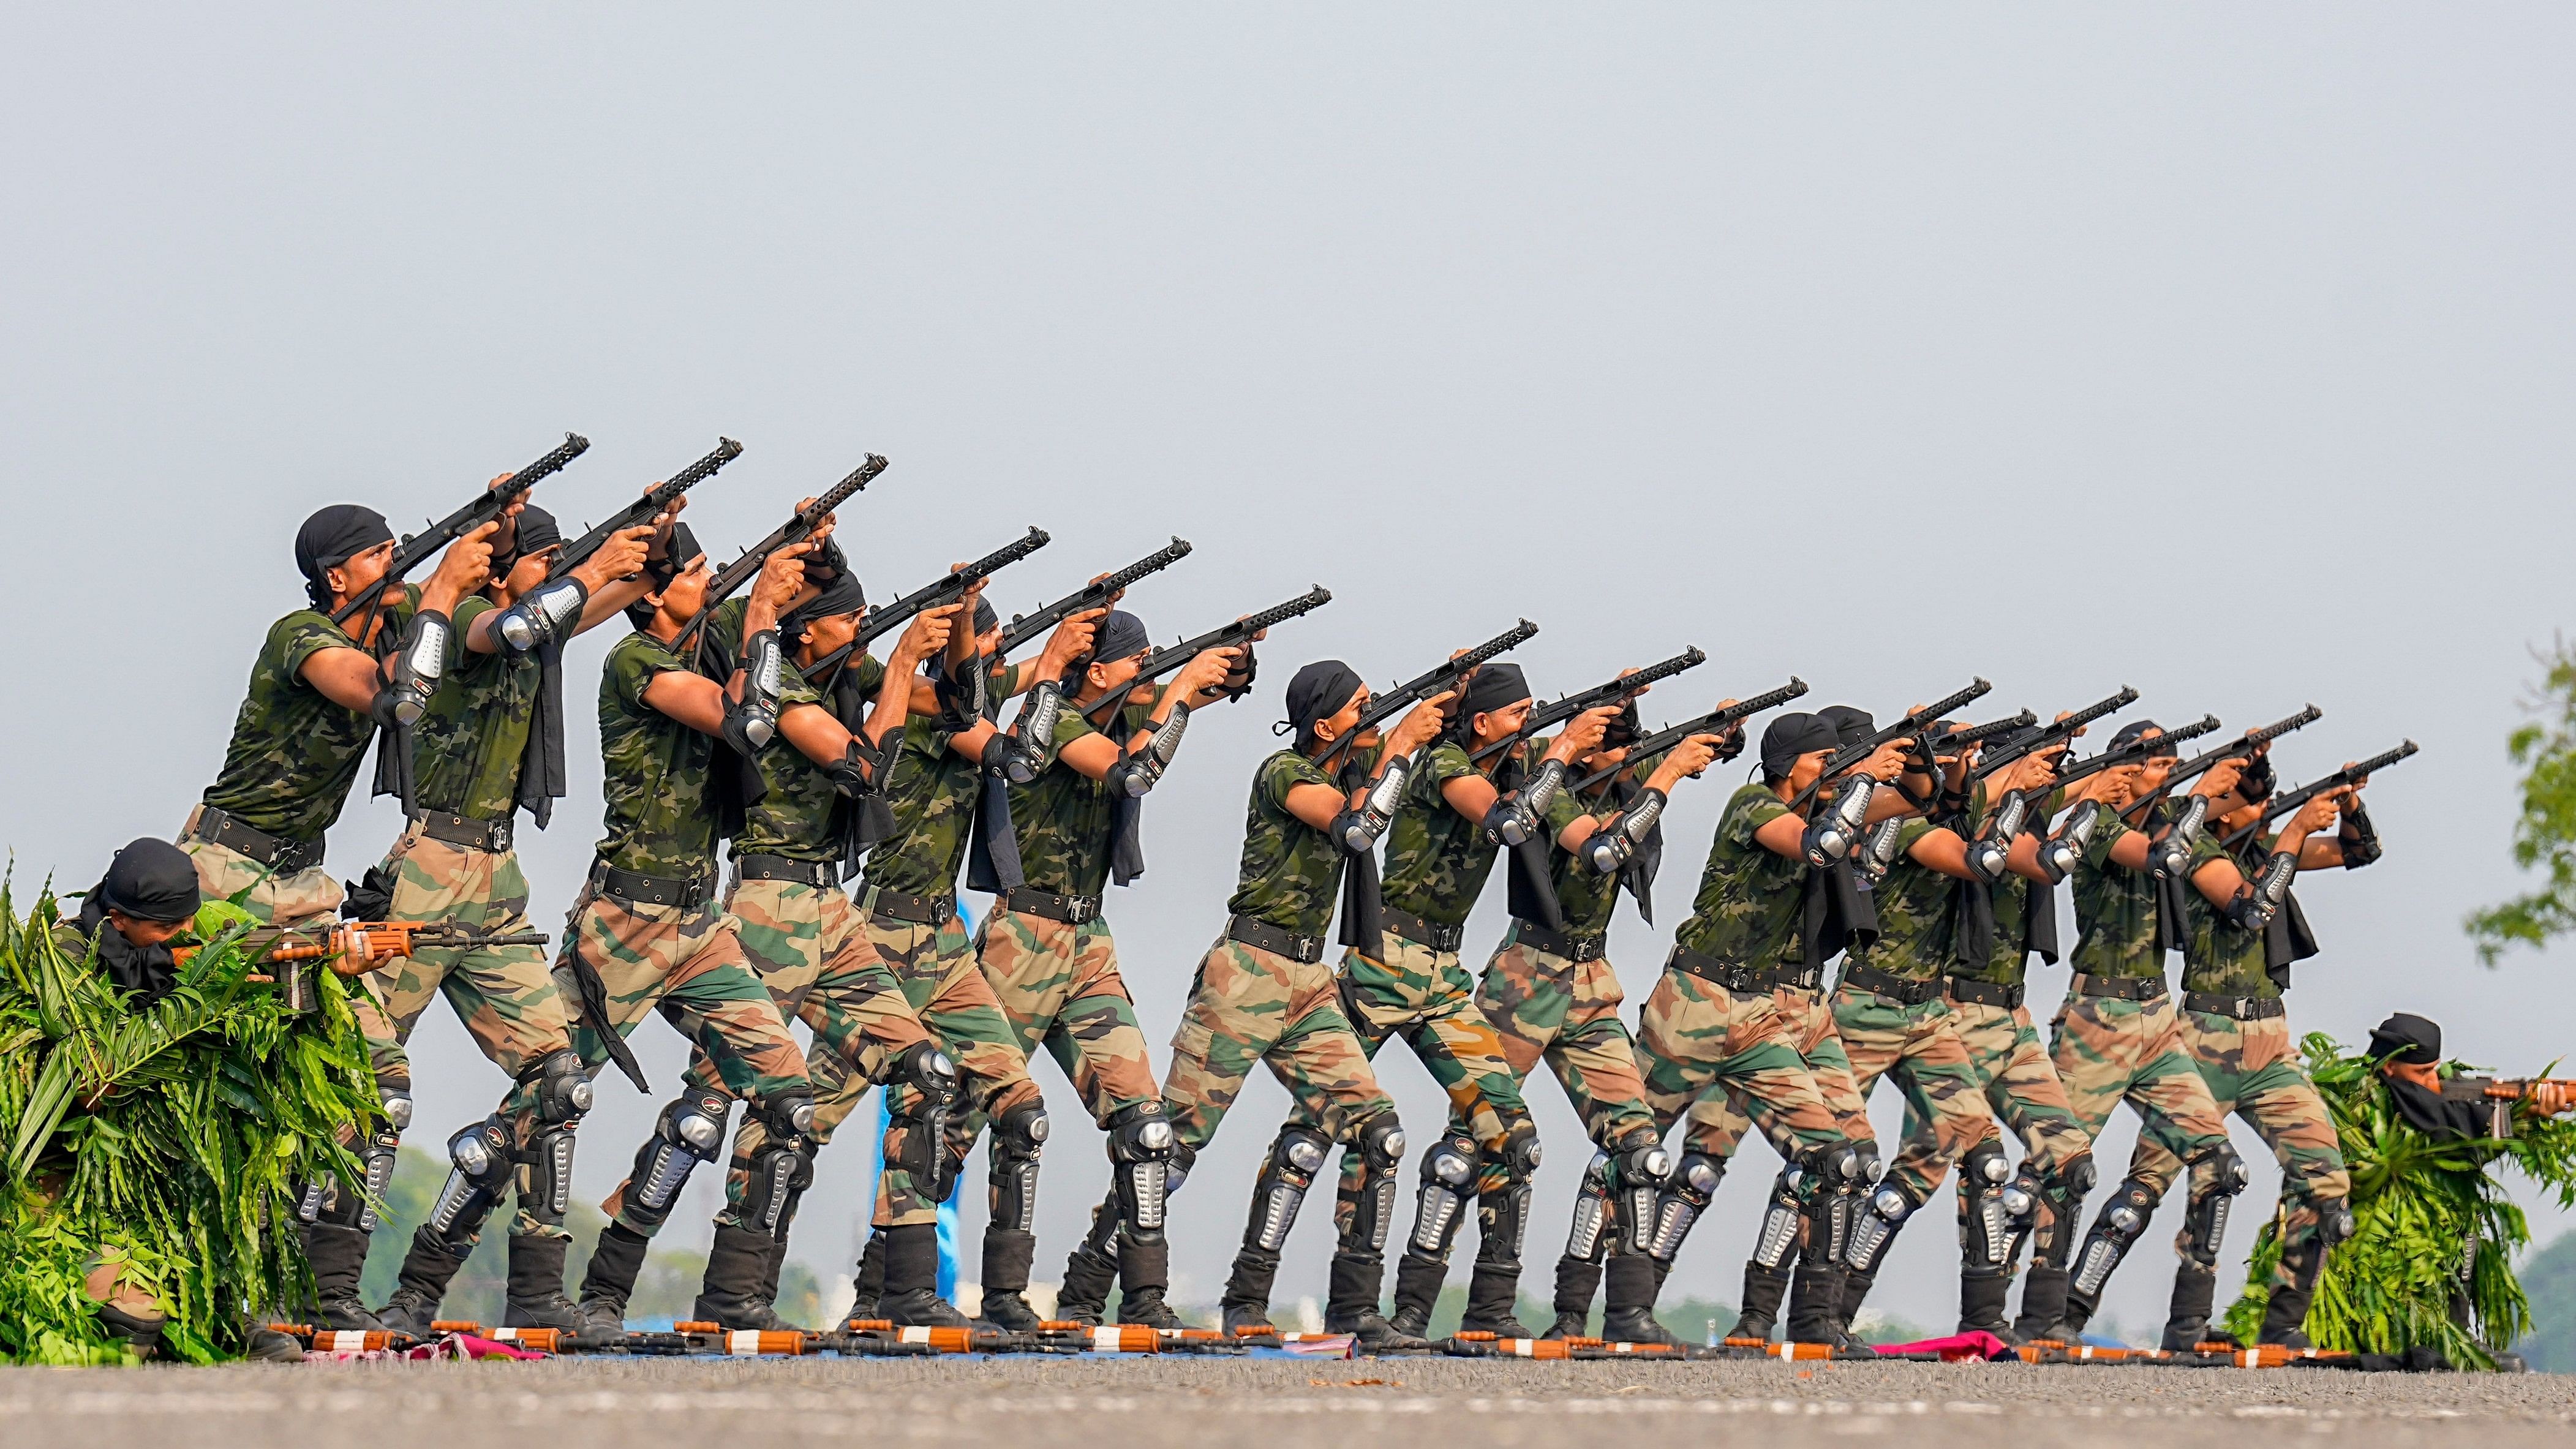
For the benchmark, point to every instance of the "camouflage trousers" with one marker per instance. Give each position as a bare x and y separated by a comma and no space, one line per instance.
808,947
1696,1037
1250,1007
2108,1051
1059,986
2253,1071
2022,1090
687,961
277,900
505,995
1426,998
1915,1047
1551,1008
1715,1125
935,966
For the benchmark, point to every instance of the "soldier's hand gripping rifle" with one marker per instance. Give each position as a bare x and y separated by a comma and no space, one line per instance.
1991,851
2055,733
1226,636
1715,722
2059,853
2540,1096
1439,679
2288,801
937,594
1833,833
799,527
645,509
2170,855
1096,595
418,548
1556,712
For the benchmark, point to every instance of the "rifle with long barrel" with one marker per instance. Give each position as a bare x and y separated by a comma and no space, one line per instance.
1438,679
418,548
2201,764
1225,636
937,594
1912,723
2289,801
1547,716
799,526
1025,627
2549,1097
2055,733
645,509
1713,722
2137,752
1961,739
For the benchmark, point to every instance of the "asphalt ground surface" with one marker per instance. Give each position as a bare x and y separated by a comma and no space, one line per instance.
1147,1403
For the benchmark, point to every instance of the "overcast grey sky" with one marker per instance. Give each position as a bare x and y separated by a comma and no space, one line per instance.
2222,351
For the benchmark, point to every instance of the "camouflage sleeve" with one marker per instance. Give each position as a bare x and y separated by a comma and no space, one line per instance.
1286,771
303,634
632,665
1753,807
1070,726
870,672
1446,762
461,660
1914,829
2097,853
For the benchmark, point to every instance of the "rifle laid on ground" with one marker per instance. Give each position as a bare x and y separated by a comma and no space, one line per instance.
418,548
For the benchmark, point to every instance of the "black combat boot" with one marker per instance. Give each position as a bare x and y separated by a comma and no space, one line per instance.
608,1280
2043,1305
1351,1302
1089,1274
1982,1292
1246,1304
912,1281
2285,1313
1815,1305
426,1271
737,1271
537,1285
1493,1300
2187,1321
1577,1279
1008,1255
868,1285
1144,1274
769,1280
1763,1290
339,1257
1856,1286
1628,1312
1417,1293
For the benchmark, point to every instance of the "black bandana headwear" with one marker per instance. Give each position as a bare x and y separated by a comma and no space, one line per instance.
2412,1040
331,538
1498,685
986,621
1317,692
1121,636
1851,724
542,774
538,530
2132,732
2408,1040
1793,734
841,595
152,880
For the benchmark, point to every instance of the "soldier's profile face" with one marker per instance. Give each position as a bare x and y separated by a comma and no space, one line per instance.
363,569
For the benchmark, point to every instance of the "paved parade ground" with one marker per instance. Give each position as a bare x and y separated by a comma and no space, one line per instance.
1222,1404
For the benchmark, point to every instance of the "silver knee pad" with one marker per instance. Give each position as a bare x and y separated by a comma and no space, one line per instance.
690,1130
563,1098
1380,1144
1589,1232
1286,1174
1019,1141
1140,1154
1448,1185
2123,1221
1889,1205
479,1163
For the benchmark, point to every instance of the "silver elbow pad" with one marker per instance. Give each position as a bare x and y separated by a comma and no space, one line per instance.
2172,854
1543,786
1831,837
2058,858
548,612
1642,813
1145,771
1358,831
422,664
1037,732
763,664
1990,856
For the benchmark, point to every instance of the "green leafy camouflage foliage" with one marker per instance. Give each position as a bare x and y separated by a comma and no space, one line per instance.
2544,834
2418,1203
179,1133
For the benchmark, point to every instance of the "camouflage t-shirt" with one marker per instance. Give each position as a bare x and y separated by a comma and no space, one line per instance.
1912,901
1292,872
1747,912
1586,898
794,816
1436,858
1064,818
2115,910
933,790
2218,956
466,747
294,753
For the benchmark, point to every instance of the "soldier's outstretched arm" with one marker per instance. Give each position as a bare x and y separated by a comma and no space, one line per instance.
351,678
819,735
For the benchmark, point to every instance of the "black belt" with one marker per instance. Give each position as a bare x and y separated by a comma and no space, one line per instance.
1419,931
1724,973
1071,910
1895,988
911,910
489,836
2118,988
1264,936
815,873
1561,943
647,890
278,853
2242,1008
1986,993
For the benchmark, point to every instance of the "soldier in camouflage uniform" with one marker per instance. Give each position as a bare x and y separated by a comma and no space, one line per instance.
1553,995
803,937
2235,1027
1997,1211
1716,1023
479,753
2116,1038
1440,849
1052,962
643,932
317,692
1263,996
